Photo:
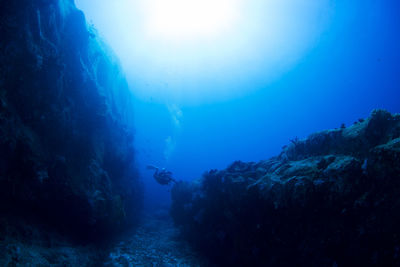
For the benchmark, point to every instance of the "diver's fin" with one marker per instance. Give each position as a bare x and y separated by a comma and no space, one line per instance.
152,167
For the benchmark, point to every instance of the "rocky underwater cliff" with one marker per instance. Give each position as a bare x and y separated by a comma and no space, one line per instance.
66,136
332,199
69,183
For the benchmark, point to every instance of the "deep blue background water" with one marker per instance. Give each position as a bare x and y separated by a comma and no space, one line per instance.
353,68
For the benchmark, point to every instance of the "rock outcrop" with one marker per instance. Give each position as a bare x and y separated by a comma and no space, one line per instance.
66,137
331,199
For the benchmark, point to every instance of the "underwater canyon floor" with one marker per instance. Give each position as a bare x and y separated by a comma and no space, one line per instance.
156,242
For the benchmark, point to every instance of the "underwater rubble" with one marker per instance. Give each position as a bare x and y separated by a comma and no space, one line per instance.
66,136
156,242
332,199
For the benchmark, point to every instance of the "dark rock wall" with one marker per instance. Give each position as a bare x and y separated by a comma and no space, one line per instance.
66,137
332,199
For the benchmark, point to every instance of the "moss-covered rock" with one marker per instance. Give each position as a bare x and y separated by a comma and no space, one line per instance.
329,200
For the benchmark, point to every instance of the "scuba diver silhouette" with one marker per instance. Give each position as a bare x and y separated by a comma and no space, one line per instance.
163,177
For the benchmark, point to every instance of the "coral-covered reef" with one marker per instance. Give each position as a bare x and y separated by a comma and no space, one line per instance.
66,137
331,199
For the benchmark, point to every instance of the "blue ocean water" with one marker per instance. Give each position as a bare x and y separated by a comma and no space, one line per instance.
351,68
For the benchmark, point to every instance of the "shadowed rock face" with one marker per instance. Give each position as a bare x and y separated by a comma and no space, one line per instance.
331,199
66,154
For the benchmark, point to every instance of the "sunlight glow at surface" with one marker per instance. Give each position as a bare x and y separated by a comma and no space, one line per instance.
177,19
196,51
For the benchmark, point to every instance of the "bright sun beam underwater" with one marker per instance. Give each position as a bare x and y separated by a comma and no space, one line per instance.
188,19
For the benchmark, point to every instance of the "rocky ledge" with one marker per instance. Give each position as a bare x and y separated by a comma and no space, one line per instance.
332,199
